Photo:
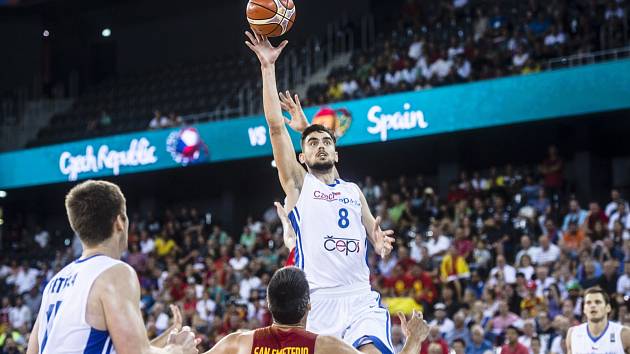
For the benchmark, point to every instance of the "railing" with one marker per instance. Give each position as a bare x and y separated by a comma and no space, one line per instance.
588,58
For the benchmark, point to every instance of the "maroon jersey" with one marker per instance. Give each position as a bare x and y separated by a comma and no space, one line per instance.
271,340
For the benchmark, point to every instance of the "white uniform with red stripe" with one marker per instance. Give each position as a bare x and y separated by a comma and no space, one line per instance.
331,248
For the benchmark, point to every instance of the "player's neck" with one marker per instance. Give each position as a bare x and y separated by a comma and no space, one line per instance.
287,327
104,249
327,177
596,328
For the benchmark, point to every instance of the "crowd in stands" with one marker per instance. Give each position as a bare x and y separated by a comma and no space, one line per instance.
502,258
432,44
455,41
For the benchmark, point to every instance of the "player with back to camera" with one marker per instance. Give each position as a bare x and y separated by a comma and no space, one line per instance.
288,301
598,335
93,304
332,222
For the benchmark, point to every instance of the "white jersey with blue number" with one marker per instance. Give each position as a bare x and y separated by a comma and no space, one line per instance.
331,244
609,342
62,324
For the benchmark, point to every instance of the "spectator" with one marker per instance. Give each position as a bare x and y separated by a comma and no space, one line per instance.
159,121
441,321
621,215
503,320
611,207
459,331
552,170
434,344
576,214
572,238
503,271
513,346
454,267
478,344
106,120
441,68
437,244
623,283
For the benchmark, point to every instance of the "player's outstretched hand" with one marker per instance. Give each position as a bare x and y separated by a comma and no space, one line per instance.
298,121
266,53
177,318
186,339
416,326
384,241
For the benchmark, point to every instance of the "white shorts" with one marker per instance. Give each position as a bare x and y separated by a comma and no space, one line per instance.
352,313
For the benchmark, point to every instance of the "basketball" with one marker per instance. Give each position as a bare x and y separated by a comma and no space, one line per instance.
271,18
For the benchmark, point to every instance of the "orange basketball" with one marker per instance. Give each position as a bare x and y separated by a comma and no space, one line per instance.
271,18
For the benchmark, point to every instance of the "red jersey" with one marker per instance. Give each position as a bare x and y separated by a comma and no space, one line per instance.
291,259
271,340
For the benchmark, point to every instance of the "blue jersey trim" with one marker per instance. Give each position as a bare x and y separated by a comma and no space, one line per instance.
377,343
601,334
299,254
86,259
96,341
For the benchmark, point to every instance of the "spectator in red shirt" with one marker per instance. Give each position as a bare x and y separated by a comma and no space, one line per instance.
463,245
434,337
552,170
513,346
404,260
422,286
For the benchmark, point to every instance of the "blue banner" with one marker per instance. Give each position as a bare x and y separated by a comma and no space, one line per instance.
561,93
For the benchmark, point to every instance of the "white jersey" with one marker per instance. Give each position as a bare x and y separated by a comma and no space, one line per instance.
331,244
62,324
609,342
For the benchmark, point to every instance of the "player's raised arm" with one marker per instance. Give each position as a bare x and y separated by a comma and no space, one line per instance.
290,171
380,240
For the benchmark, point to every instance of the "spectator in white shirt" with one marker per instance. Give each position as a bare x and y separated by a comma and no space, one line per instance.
392,77
41,237
555,37
247,284
441,321
455,48
375,79
415,49
519,58
620,215
441,68
206,307
527,248
159,121
504,270
463,68
543,280
437,244
623,283
549,252
20,314
239,261
147,244
611,207
349,86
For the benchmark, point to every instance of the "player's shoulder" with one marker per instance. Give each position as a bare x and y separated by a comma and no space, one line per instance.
331,344
119,277
236,342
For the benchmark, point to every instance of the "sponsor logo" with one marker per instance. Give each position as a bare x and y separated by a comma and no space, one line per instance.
140,153
186,146
383,122
335,196
341,245
338,120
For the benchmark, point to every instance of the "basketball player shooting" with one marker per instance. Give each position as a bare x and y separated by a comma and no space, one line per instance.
598,335
332,222
93,304
288,301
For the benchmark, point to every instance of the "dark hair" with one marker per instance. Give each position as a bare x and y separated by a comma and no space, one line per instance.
288,295
460,340
318,128
597,290
92,208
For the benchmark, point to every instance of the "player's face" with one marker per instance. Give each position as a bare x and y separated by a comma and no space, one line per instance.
318,152
595,307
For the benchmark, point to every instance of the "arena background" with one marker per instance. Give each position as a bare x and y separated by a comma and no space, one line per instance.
76,70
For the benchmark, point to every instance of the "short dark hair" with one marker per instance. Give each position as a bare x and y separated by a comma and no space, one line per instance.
92,208
288,295
598,290
318,128
461,341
